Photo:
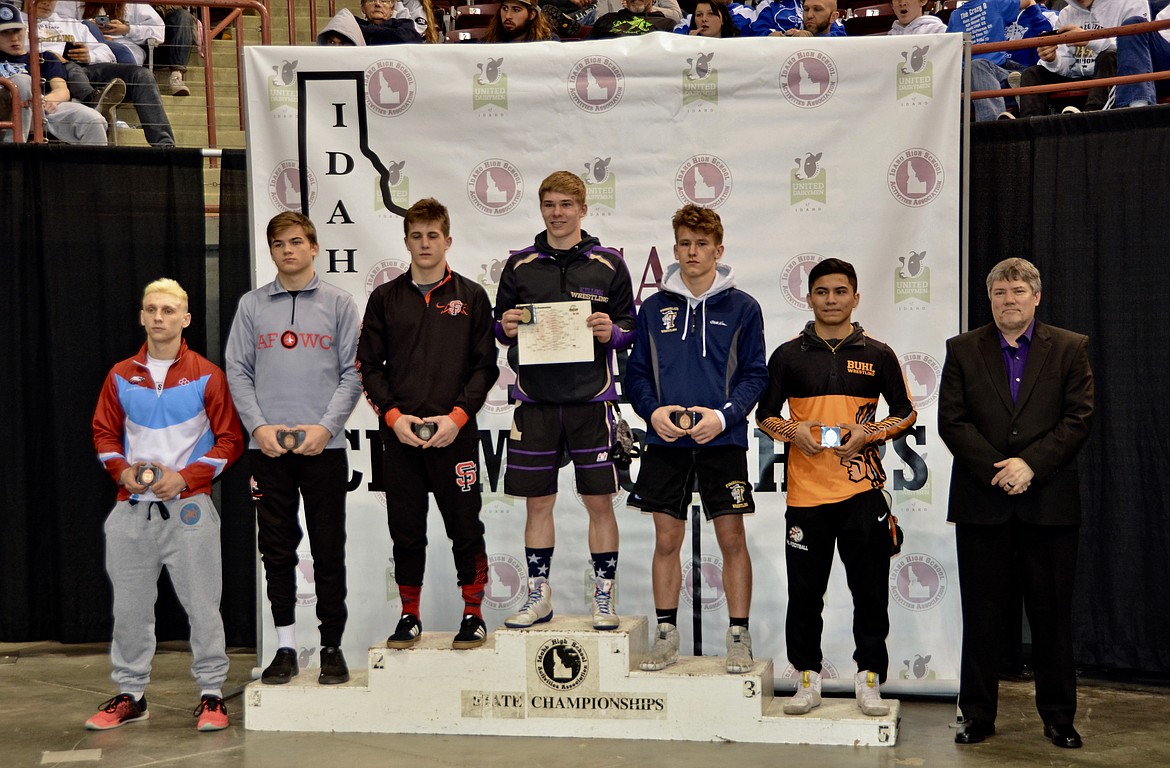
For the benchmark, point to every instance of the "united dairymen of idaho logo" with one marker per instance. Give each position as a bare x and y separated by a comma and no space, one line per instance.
914,76
711,593
383,272
389,88
282,88
600,185
923,374
596,84
489,87
808,183
507,582
915,178
700,81
917,581
794,279
808,79
495,187
284,186
399,184
912,280
703,180
562,664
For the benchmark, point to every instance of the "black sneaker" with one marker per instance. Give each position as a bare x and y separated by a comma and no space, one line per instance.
282,669
407,633
472,633
333,669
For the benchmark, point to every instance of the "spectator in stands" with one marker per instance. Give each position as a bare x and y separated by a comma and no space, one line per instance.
789,18
912,19
422,13
1033,20
130,28
381,27
717,18
1091,59
342,29
638,17
819,19
64,120
164,429
518,21
178,39
583,12
986,21
91,69
669,8
1141,55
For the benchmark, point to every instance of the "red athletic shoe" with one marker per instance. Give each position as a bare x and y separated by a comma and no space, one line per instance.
118,711
212,714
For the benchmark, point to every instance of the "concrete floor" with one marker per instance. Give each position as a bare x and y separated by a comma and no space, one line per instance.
48,690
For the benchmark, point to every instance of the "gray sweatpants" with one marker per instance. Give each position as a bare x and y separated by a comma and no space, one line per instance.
71,123
139,542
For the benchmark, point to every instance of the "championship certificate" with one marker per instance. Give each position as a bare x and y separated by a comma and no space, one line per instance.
555,332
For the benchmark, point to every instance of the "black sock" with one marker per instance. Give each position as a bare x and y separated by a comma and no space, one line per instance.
667,616
734,622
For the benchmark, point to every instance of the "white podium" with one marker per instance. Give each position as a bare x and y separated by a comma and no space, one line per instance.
562,678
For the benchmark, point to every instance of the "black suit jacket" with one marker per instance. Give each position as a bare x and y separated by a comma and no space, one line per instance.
1046,427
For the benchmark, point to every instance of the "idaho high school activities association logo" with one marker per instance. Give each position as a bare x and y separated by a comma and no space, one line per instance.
282,89
915,178
914,75
389,88
383,272
794,279
399,184
596,84
700,81
712,597
808,183
923,374
489,87
507,582
828,671
497,397
703,180
284,186
600,185
912,279
495,187
808,79
917,582
562,664
306,581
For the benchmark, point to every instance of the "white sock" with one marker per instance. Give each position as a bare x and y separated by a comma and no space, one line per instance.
286,637
216,692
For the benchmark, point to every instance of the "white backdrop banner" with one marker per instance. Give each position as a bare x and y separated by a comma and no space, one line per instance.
807,148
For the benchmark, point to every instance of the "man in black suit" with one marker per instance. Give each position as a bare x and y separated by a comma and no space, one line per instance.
1015,408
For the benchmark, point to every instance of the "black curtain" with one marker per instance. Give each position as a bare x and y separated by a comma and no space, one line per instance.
1086,200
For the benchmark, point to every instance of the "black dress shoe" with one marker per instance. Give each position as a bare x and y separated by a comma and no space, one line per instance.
282,669
1063,735
974,731
333,668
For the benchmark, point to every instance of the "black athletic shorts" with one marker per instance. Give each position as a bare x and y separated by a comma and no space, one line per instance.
543,433
667,476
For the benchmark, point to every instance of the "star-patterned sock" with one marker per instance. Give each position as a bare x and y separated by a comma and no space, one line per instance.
539,561
604,564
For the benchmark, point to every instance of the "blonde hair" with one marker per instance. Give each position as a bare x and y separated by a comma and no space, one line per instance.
563,182
169,287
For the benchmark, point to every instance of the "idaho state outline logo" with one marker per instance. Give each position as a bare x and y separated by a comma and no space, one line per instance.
808,79
495,187
915,177
703,180
390,88
596,84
